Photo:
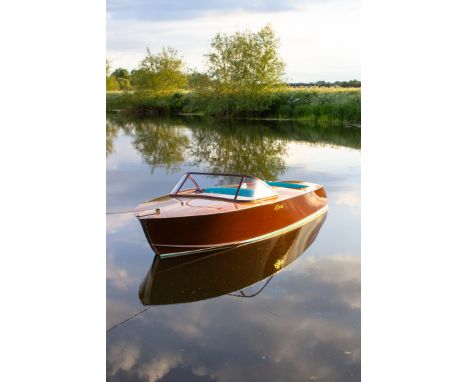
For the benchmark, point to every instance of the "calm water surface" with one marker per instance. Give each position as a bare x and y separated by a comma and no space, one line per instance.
287,309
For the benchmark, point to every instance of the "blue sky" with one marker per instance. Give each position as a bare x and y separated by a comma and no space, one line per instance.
319,39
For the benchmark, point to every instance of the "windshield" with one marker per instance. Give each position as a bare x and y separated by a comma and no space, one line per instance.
232,187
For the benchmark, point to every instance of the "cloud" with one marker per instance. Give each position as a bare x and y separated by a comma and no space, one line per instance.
319,40
181,9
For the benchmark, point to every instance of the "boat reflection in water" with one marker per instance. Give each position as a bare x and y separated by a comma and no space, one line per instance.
198,277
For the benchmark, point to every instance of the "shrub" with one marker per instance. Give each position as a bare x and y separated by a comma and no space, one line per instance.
331,105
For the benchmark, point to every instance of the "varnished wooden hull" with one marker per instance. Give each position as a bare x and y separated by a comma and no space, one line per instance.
170,236
197,277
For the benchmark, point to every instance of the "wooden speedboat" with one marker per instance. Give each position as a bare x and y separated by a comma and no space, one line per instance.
195,277
208,211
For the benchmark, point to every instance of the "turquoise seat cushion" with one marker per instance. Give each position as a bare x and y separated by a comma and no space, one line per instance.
286,185
229,191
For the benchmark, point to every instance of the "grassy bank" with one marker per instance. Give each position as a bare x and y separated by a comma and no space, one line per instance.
323,106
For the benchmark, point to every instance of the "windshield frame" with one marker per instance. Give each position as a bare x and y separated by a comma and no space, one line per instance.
186,176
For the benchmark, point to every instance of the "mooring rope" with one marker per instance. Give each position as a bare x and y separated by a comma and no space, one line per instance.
120,212
128,319
242,294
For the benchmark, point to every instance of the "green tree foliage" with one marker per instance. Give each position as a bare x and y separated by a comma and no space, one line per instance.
161,73
121,73
246,61
199,81
111,82
135,76
123,78
118,80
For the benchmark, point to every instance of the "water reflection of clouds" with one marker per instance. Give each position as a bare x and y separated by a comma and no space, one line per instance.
321,156
119,309
295,330
118,277
117,222
159,366
127,155
123,356
350,198
127,189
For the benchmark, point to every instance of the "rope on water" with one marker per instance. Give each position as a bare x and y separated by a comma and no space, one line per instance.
128,319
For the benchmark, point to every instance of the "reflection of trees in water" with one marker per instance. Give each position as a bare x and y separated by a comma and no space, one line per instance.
162,145
256,148
112,130
241,151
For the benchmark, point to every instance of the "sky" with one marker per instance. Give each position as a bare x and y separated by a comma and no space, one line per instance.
319,39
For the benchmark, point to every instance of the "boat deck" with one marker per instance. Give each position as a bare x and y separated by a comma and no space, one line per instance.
201,204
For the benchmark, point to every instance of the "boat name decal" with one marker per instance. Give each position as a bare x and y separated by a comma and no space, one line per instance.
278,207
279,264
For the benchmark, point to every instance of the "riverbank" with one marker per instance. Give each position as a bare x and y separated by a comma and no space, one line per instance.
322,106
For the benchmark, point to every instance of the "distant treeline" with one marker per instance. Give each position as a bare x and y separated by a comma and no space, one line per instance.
325,84
245,77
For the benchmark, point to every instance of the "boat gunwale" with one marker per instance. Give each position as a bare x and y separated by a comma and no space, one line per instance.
254,204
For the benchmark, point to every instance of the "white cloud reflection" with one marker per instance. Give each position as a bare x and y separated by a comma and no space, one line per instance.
116,222
123,356
159,366
119,277
289,332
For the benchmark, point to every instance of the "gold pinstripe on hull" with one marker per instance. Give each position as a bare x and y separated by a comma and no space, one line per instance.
248,241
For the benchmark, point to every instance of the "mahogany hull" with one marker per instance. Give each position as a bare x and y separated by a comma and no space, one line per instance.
200,233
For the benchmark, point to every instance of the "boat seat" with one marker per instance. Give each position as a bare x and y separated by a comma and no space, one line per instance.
287,185
229,191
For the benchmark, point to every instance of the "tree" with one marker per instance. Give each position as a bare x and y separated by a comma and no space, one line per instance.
122,77
111,82
161,72
198,81
120,73
246,61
